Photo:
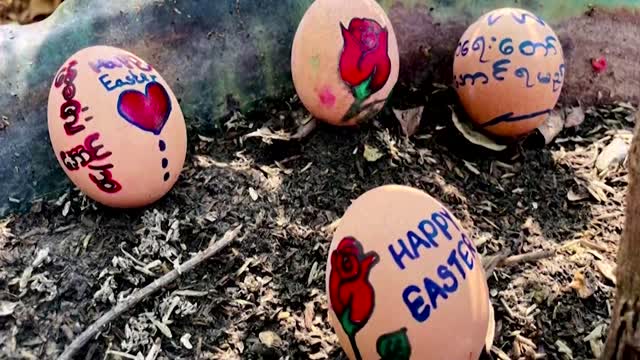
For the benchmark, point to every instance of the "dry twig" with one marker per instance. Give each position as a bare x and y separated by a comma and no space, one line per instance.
139,295
528,257
503,260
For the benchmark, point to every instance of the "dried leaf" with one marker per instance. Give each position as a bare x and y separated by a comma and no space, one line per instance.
309,313
596,191
597,346
267,135
580,285
41,256
575,117
7,308
284,315
312,273
551,127
138,356
598,332
253,194
26,277
205,139
184,340
573,197
318,356
499,353
409,119
613,154
471,167
473,136
563,348
607,270
154,351
67,207
270,339
372,154
164,329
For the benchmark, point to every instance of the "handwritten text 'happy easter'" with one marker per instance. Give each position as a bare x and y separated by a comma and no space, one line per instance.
422,299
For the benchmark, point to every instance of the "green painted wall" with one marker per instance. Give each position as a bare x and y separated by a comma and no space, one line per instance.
218,54
551,10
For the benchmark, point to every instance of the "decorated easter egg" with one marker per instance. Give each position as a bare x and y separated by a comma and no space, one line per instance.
508,71
116,127
405,281
344,60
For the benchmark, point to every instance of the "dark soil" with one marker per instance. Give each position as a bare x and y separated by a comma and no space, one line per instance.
264,297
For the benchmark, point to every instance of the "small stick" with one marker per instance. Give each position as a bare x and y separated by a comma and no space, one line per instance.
140,294
493,262
508,309
529,257
593,245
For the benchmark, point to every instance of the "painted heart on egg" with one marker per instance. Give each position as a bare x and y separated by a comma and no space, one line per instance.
147,111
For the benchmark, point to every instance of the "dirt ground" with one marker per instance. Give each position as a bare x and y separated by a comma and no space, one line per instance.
68,261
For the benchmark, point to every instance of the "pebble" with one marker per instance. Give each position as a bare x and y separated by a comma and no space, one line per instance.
612,155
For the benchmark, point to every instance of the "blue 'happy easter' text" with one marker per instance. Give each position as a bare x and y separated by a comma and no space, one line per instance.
422,299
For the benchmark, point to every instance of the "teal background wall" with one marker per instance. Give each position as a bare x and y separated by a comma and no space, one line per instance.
551,10
224,55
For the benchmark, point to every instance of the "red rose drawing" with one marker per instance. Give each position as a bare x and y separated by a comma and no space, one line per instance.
350,293
364,65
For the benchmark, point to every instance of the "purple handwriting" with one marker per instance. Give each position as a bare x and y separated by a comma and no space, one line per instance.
120,61
84,155
130,79
71,108
90,151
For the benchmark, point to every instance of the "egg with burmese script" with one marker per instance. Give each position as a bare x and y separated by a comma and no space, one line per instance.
508,72
403,277
116,127
344,60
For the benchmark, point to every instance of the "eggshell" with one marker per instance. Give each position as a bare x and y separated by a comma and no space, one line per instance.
344,60
392,244
116,127
508,71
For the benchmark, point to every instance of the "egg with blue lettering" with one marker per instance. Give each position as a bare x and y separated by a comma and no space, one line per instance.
405,280
344,60
116,127
508,71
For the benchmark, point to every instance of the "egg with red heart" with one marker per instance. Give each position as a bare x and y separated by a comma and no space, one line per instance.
116,127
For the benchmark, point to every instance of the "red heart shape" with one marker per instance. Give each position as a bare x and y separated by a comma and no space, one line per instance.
148,111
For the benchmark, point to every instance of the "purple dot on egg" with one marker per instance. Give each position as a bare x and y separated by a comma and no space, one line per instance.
493,38
162,145
166,176
165,163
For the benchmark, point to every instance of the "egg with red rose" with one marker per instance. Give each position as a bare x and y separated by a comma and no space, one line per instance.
116,127
403,277
344,60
